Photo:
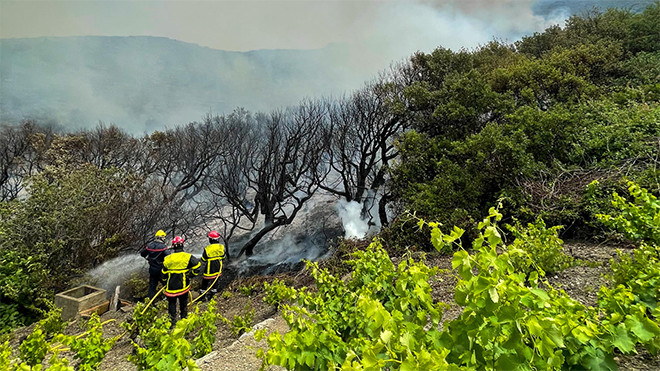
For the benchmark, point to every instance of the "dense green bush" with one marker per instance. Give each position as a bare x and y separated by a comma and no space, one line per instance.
158,348
534,123
72,220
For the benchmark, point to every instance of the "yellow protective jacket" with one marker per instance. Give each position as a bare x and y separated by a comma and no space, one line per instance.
176,269
213,256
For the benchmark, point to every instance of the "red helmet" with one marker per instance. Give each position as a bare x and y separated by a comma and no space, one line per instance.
214,235
178,240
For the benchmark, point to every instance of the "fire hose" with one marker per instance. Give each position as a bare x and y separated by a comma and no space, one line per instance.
160,291
207,290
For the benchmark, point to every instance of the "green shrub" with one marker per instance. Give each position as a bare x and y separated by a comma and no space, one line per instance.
635,278
277,292
384,317
34,348
138,285
163,350
203,342
52,322
240,324
247,290
638,221
90,347
543,245
160,349
5,353
375,320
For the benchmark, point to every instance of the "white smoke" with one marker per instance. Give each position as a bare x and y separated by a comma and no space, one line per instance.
350,213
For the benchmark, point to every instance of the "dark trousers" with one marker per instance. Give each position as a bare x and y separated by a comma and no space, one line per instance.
205,284
154,279
183,306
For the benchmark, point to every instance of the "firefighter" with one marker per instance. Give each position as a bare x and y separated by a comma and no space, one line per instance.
213,255
155,252
177,269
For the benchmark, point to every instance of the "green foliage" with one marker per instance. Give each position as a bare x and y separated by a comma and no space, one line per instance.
640,277
160,349
247,290
636,278
138,285
57,363
143,316
627,310
637,32
52,322
203,342
277,292
403,234
341,252
512,318
240,324
34,348
638,221
22,298
383,317
610,133
10,317
534,123
625,270
543,246
433,186
642,69
72,219
375,320
5,353
90,349
163,350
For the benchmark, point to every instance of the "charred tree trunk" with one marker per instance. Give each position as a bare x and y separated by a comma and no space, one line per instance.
248,248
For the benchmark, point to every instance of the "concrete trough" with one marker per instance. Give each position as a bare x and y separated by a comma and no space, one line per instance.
79,299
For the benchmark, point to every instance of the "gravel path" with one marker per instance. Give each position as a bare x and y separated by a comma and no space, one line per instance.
240,356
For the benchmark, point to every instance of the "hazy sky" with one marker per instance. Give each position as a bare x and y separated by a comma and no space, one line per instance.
394,27
371,34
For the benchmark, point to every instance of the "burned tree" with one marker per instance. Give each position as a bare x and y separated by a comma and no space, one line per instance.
228,181
21,154
362,128
272,169
109,146
177,164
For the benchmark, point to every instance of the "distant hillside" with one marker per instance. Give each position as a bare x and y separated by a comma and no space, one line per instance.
145,83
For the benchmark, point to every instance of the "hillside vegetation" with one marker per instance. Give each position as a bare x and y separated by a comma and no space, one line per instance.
556,136
534,123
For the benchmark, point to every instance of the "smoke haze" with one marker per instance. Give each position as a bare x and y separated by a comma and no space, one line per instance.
315,48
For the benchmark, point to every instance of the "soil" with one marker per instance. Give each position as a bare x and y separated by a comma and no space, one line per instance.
231,352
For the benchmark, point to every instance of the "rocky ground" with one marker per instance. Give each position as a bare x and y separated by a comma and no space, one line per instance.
238,353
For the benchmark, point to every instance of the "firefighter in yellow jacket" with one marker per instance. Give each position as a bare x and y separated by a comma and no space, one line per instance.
213,255
177,269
